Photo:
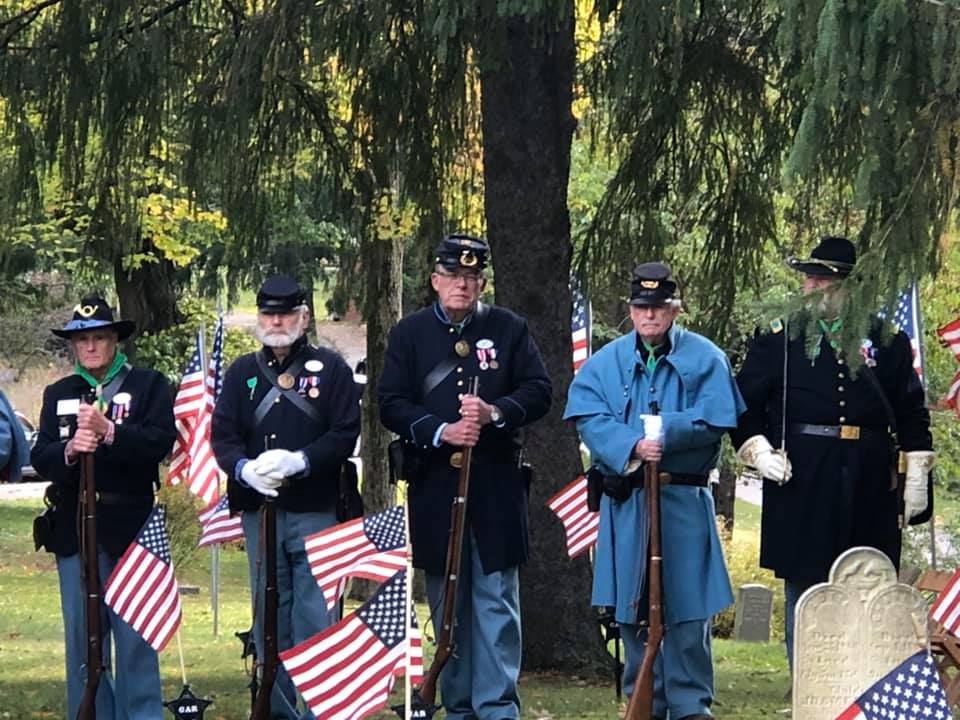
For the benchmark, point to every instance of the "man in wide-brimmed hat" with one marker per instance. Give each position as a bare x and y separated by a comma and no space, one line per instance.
827,485
123,416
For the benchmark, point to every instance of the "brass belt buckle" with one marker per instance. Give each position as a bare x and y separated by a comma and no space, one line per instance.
849,432
456,459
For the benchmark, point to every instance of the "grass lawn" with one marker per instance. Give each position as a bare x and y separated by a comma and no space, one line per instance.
751,678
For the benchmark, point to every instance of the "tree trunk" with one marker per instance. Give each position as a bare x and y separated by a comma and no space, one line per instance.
384,289
147,295
526,89
725,494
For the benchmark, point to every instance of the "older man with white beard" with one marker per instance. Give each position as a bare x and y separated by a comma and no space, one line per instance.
301,402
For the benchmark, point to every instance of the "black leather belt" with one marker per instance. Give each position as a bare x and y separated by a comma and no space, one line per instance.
672,478
111,498
842,432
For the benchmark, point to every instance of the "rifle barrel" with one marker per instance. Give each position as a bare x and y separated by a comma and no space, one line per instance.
458,517
271,657
641,700
89,567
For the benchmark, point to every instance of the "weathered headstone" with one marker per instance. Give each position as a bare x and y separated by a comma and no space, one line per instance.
752,619
852,630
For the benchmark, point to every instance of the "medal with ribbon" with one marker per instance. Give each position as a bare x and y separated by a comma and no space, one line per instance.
120,408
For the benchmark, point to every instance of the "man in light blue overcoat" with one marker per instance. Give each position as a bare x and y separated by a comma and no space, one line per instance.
687,380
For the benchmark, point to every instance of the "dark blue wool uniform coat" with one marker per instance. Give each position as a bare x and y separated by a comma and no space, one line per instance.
840,494
327,443
514,380
126,469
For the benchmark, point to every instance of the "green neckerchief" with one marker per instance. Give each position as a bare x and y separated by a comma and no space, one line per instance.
829,331
651,354
119,359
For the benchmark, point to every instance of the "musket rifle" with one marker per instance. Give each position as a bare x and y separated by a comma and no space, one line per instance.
425,696
641,700
90,580
271,657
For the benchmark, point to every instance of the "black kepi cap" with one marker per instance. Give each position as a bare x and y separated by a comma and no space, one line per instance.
94,312
462,251
833,257
652,284
280,294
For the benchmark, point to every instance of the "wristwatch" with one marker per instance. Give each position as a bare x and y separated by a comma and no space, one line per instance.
496,417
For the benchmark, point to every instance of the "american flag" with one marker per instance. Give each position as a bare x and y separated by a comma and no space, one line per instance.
347,671
911,691
142,588
946,608
953,394
192,460
216,525
579,325
950,336
906,316
579,524
372,547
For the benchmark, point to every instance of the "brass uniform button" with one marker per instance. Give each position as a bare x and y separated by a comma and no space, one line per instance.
456,459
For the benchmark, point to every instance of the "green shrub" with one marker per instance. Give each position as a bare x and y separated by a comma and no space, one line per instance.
183,528
168,351
742,552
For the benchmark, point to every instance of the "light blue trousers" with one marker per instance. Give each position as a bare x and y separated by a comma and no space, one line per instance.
133,691
682,673
301,607
480,681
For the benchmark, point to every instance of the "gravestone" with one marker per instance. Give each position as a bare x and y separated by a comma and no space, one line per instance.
852,630
752,620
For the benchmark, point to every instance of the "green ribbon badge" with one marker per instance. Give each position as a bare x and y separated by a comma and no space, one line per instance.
252,384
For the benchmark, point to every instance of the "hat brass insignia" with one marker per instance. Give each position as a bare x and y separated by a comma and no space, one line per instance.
650,284
468,258
85,310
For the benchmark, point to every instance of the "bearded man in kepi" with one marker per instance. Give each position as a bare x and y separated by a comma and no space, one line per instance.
302,402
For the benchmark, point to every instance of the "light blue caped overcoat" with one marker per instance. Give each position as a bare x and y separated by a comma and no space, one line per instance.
698,400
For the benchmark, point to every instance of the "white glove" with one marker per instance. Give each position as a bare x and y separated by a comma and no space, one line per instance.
919,463
652,427
757,452
280,464
261,483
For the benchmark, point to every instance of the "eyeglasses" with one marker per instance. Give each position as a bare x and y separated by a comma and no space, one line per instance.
469,278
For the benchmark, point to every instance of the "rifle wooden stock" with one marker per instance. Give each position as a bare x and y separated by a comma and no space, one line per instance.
89,568
458,520
270,652
641,700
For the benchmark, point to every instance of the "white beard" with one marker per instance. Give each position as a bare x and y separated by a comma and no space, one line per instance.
276,339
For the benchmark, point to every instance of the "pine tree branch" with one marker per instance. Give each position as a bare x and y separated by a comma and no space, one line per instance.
35,10
23,20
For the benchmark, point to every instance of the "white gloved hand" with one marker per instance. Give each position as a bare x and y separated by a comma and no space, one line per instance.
261,483
279,464
652,427
919,463
757,452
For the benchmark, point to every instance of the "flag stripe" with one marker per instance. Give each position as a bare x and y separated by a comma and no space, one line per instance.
372,547
580,525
